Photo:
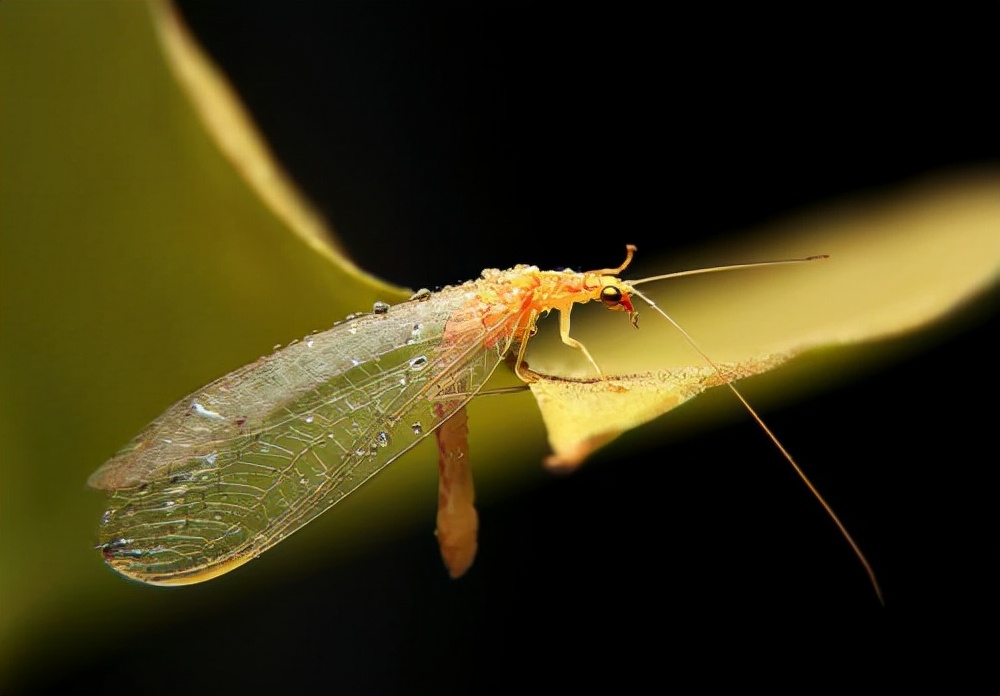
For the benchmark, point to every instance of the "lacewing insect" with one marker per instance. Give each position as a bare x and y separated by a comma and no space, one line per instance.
237,466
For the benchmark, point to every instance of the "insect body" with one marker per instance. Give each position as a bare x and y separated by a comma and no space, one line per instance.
237,466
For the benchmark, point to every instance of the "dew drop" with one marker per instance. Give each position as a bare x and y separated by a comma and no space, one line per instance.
200,410
309,419
107,516
382,438
380,307
217,516
421,295
309,343
417,428
304,481
417,330
118,548
418,363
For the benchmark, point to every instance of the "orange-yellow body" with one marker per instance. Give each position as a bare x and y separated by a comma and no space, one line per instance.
510,302
239,465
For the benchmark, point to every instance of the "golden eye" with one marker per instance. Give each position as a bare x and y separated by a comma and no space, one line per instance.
611,296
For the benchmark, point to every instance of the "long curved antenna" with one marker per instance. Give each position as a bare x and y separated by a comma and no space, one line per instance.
763,425
716,269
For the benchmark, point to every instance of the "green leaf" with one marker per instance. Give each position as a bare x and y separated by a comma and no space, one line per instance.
137,265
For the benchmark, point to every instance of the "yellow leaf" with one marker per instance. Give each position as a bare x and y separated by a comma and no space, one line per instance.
898,261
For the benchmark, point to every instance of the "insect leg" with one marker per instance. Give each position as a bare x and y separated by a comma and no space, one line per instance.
572,342
524,376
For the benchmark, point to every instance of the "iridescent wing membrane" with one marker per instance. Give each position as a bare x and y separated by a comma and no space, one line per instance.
237,466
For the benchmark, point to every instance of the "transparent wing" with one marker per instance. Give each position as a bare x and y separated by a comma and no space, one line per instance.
239,465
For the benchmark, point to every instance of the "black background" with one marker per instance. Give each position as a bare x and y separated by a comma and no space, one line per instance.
439,139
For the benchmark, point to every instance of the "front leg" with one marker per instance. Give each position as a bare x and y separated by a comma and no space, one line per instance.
572,342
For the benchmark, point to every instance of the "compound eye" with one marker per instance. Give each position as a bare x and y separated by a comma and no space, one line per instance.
611,296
